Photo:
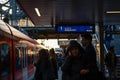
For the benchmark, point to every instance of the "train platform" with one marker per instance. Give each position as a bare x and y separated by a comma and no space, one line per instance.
59,75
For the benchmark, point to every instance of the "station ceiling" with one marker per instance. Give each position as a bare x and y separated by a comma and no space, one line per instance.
72,11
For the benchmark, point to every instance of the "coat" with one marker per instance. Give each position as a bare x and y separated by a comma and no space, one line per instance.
71,68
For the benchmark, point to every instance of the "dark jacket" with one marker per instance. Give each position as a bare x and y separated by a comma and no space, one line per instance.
110,60
90,53
43,66
72,66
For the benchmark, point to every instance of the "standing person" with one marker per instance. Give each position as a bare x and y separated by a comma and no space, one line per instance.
54,67
59,59
43,66
89,48
108,39
74,66
110,60
91,56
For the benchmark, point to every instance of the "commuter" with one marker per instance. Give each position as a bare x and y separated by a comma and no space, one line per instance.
74,66
89,48
43,66
108,39
59,59
54,62
90,53
110,60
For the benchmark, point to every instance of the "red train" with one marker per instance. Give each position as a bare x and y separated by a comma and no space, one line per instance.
17,54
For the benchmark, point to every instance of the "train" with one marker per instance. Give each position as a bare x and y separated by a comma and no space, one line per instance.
17,54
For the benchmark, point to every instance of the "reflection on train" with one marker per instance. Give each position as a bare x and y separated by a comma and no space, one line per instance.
17,54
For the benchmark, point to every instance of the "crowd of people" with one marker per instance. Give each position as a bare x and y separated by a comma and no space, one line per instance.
79,62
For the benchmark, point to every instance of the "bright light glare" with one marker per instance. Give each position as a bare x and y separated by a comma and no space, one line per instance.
52,43
115,12
4,8
37,11
3,1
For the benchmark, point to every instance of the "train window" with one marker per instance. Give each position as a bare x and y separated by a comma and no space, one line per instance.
4,60
24,51
18,58
30,57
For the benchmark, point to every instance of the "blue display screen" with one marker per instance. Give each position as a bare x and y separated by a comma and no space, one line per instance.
75,29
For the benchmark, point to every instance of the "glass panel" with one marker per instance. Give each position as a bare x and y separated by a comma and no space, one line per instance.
4,59
18,58
30,57
24,57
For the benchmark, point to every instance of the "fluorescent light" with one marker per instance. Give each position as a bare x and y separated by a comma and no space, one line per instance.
114,12
37,11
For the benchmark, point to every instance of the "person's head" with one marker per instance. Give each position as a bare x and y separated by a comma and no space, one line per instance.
73,48
43,53
86,39
52,53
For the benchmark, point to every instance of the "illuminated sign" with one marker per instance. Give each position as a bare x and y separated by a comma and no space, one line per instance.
75,28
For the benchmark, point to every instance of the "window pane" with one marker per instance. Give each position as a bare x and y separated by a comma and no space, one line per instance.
4,59
18,58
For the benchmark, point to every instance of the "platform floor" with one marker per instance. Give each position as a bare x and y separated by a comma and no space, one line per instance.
59,74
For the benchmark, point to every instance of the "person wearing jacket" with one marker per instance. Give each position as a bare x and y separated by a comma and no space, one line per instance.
74,66
54,62
111,62
90,52
43,66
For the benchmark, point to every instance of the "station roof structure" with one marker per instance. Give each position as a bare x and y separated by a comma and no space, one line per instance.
72,11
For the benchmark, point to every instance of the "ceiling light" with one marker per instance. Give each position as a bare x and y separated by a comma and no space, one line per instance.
37,11
114,12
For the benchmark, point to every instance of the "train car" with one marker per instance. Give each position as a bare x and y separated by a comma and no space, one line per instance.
17,54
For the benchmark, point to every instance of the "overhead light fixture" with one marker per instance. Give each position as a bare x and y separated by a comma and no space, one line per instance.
37,11
113,12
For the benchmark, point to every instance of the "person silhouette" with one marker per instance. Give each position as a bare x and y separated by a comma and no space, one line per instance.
74,66
110,60
43,66
90,53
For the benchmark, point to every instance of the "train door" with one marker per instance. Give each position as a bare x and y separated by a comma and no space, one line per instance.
24,61
30,61
18,63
